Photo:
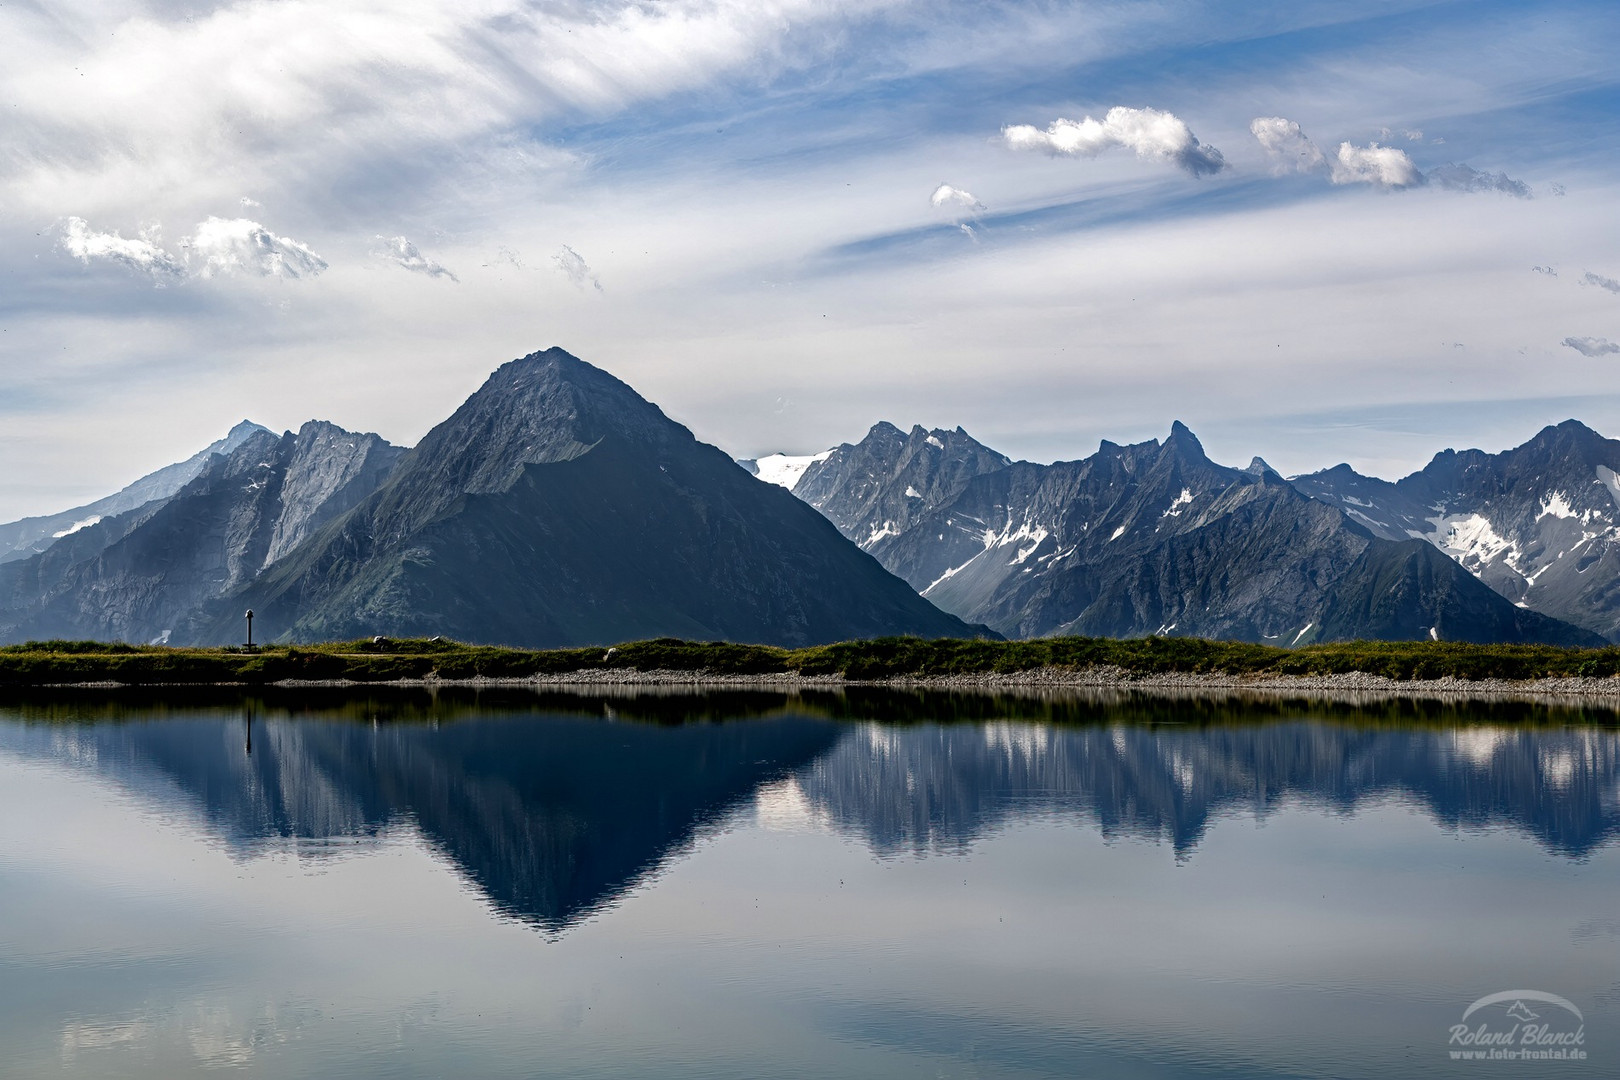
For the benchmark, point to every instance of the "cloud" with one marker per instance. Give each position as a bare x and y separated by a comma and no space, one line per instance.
218,246
947,196
239,246
1289,149
142,255
1549,271
1602,282
1468,178
1154,135
1383,166
573,264
401,252
1592,346
133,97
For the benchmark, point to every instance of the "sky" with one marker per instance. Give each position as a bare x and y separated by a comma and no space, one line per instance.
1314,231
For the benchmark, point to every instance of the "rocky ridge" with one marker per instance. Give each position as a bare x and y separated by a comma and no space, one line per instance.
1152,538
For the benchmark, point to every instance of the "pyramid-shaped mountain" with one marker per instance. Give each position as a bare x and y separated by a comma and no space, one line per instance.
558,507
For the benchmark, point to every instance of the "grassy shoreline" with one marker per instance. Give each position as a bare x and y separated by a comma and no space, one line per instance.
379,661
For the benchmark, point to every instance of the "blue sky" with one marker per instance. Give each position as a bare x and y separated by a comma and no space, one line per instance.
354,210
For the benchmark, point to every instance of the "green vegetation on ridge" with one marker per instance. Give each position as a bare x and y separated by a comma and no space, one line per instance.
38,663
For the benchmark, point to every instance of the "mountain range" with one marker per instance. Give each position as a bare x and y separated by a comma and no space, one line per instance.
1155,538
557,507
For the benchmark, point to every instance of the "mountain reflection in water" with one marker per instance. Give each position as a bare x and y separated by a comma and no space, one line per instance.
554,805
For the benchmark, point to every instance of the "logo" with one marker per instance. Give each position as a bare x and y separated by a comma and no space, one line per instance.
1519,1025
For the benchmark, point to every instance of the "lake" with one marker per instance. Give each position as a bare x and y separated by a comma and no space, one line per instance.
756,884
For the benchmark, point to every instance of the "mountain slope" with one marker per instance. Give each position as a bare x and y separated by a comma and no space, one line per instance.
1540,523
558,507
142,575
30,536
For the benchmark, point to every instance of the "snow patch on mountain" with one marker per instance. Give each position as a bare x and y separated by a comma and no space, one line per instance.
84,523
1556,505
1470,539
886,529
947,575
1181,500
785,470
1611,481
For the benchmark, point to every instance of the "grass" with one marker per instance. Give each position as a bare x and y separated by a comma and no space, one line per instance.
39,663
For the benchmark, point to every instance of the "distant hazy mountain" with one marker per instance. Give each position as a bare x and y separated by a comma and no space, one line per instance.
20,539
143,575
1540,524
1146,539
558,507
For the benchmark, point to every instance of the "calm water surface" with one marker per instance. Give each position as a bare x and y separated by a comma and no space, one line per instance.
758,885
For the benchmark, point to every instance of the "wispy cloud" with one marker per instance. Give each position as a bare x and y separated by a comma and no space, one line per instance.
1592,346
573,264
1602,282
143,255
1468,178
1547,270
401,252
218,246
1154,135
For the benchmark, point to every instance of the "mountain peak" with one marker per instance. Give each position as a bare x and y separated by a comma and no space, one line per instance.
1182,439
1567,434
1260,467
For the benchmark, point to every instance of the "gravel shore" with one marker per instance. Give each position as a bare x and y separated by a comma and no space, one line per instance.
1356,684
1352,686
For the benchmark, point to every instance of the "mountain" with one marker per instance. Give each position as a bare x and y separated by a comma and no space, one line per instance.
1153,538
1540,523
30,536
144,574
877,487
558,507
